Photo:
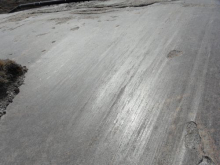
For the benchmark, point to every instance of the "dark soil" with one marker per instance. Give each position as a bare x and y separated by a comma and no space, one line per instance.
8,5
11,78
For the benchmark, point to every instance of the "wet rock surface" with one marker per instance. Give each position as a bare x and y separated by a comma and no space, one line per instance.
107,91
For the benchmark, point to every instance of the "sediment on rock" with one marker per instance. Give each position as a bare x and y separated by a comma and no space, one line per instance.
193,142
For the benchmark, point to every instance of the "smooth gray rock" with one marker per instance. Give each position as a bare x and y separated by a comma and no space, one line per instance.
107,92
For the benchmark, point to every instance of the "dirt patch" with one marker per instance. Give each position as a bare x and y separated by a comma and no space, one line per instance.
193,141
8,5
11,77
174,53
75,28
192,138
18,17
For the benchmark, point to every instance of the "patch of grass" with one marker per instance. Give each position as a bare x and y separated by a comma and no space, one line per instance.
11,77
10,71
13,69
3,78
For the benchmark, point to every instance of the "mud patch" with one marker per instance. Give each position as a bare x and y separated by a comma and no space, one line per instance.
174,53
75,28
193,142
11,77
18,17
192,138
